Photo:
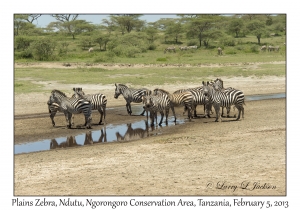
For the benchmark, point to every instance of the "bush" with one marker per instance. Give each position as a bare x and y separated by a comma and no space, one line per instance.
161,59
192,42
228,41
43,49
152,47
22,42
105,57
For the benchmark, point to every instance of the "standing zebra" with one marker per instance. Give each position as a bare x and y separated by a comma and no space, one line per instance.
169,49
199,99
157,103
226,99
72,106
178,99
218,85
54,107
98,102
130,95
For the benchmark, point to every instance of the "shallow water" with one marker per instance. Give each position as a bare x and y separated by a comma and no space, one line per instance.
111,132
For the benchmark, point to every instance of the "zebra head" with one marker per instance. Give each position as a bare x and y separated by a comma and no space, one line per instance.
147,101
206,89
117,91
218,84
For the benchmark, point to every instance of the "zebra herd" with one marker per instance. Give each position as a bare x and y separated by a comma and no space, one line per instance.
173,49
210,94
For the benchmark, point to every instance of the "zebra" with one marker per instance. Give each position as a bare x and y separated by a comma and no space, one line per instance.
178,99
192,47
169,49
133,134
98,102
199,99
183,48
220,51
54,107
72,106
219,98
263,48
130,95
157,103
218,85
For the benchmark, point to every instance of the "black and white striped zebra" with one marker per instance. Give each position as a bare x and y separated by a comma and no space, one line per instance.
157,103
54,107
98,102
199,99
72,106
219,98
185,99
130,95
218,85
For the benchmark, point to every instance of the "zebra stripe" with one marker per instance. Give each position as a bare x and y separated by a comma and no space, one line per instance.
179,99
98,102
72,106
226,99
130,95
199,99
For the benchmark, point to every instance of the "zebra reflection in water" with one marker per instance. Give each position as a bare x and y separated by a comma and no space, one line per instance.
133,134
71,141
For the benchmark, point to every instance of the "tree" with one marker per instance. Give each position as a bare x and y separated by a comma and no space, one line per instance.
174,30
32,17
127,22
151,32
257,28
200,24
21,26
66,19
213,34
235,26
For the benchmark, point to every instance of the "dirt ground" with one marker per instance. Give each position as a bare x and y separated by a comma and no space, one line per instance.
246,157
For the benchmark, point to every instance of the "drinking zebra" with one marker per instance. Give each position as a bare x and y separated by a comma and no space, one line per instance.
157,103
169,49
178,99
130,95
98,102
72,106
219,98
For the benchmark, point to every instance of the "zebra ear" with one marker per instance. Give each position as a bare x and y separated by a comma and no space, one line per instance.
202,82
115,84
74,89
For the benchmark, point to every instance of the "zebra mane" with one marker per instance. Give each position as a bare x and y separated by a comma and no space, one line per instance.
59,92
161,90
121,85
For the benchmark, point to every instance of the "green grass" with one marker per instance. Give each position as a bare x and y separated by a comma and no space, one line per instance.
138,76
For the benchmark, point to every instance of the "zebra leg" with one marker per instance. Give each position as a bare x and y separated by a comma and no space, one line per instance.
173,111
143,112
167,114
69,120
72,121
217,109
162,117
128,107
101,115
152,115
52,114
195,111
228,111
